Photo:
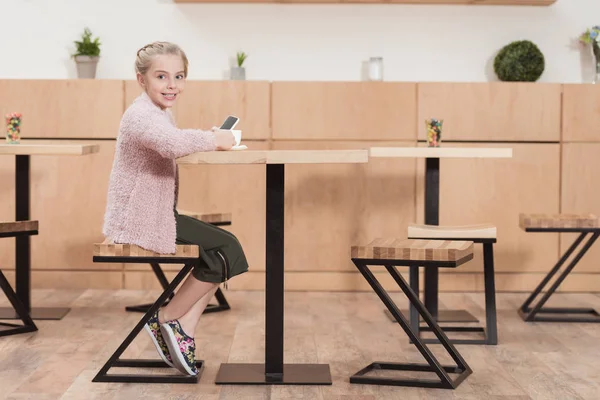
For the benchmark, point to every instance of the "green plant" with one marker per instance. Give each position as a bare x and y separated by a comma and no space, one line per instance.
87,46
519,61
241,57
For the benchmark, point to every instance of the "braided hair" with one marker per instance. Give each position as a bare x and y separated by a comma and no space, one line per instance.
145,55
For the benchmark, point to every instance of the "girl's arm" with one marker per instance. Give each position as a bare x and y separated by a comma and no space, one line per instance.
155,132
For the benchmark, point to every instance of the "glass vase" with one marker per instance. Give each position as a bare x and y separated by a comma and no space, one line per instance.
596,61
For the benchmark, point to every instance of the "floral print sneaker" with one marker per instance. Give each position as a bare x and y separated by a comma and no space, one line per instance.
153,329
181,346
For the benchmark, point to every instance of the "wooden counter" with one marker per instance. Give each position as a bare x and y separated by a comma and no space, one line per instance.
548,126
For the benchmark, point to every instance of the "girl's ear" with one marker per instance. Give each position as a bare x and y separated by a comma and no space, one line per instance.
141,80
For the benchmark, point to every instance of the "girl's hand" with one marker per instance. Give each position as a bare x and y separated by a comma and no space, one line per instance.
224,139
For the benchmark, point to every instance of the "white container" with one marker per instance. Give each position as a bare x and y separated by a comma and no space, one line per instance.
376,68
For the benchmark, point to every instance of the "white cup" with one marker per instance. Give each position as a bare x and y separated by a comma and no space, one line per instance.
237,134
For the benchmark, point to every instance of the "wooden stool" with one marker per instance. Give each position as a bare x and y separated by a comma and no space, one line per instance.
412,253
217,219
126,253
14,229
486,235
584,224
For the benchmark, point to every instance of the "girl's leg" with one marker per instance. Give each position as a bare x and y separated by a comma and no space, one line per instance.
189,321
190,297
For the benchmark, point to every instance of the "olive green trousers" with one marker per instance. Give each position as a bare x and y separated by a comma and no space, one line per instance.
221,253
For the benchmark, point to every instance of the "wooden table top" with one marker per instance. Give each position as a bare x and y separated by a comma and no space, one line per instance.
48,148
441,152
277,157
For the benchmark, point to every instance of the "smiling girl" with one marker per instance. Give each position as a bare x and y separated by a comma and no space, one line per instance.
142,199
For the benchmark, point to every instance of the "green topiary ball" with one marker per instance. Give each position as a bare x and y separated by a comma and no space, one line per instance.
519,61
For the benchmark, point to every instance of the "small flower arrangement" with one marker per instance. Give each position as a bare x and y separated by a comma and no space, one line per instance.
591,35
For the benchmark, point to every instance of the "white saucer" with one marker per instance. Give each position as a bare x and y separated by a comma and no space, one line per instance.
239,147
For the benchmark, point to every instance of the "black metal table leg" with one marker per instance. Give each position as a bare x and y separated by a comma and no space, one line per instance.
560,314
274,371
23,250
432,217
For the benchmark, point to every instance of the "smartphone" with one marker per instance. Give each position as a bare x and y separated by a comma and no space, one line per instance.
230,122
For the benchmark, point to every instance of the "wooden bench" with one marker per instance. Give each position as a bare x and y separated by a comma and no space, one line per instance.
217,219
132,254
484,234
14,229
390,253
585,225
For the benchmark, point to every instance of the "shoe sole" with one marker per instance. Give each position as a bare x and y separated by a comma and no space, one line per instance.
176,355
160,352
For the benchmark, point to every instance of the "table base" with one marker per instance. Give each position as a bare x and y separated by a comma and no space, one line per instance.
293,374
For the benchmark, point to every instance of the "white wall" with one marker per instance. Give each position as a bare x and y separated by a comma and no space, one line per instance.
295,42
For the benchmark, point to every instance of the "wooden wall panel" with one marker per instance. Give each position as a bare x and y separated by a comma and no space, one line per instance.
581,113
331,207
498,111
580,194
205,104
474,191
68,197
85,108
344,110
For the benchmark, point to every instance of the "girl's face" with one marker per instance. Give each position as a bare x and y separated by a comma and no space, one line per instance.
165,80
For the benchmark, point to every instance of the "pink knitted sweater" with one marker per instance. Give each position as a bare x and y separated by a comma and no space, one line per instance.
142,191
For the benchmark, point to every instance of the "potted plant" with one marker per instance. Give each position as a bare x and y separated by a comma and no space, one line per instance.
87,55
239,72
592,37
519,61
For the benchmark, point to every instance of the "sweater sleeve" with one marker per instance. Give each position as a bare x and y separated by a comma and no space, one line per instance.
154,131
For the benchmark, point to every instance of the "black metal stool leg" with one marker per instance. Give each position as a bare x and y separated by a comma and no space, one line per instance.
490,332
577,314
414,285
221,305
22,314
164,283
114,360
491,325
432,363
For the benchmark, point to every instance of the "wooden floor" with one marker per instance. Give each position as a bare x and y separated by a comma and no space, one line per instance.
345,330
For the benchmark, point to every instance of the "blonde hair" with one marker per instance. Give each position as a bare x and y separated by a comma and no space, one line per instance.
144,56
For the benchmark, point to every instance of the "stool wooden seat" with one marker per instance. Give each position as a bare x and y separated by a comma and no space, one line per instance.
468,232
17,228
217,219
456,252
479,233
14,229
530,222
131,251
189,255
390,253
585,225
209,218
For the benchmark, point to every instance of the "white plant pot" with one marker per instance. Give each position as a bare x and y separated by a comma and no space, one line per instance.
238,73
86,66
